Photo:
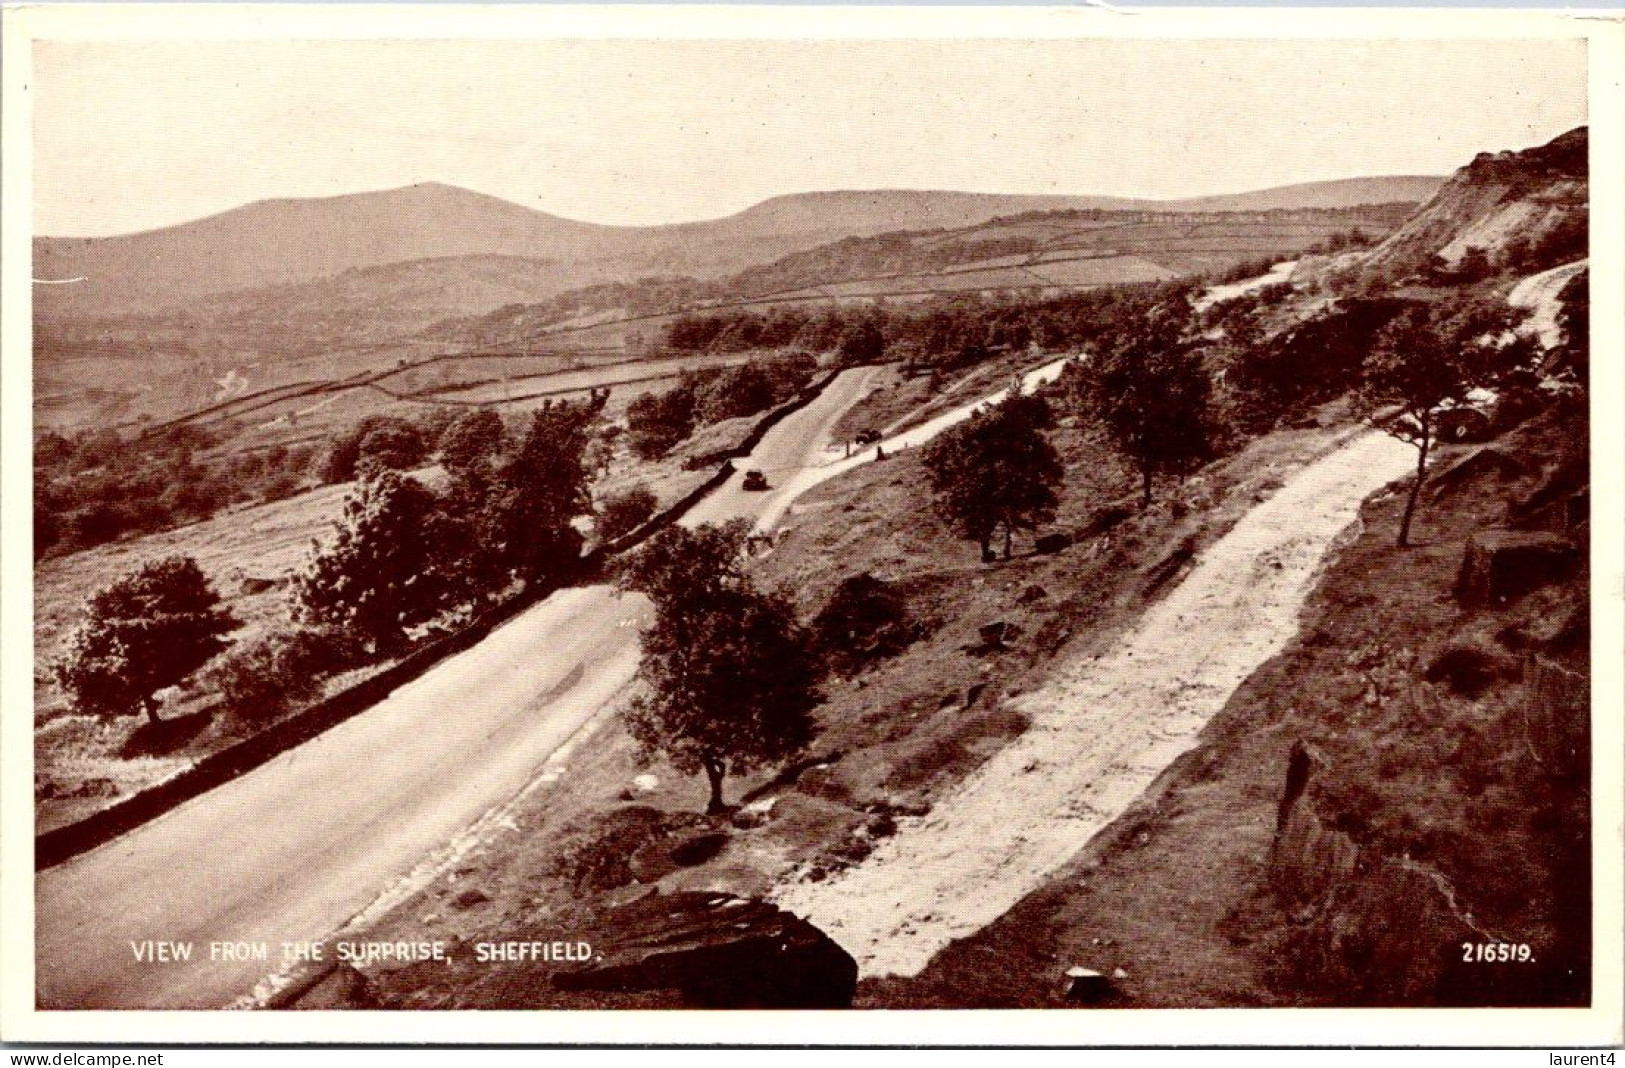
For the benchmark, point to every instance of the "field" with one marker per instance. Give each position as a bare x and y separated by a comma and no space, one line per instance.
248,357
248,554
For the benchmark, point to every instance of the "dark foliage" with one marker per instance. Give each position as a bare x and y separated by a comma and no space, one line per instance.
99,486
996,471
865,619
148,631
732,677
382,574
1151,392
625,512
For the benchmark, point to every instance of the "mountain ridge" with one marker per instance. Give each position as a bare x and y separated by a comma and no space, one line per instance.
296,240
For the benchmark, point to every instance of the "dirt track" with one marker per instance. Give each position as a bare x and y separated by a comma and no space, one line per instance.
1538,293
1102,730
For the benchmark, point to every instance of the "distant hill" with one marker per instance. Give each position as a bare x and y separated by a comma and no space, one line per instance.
288,242
1341,193
297,241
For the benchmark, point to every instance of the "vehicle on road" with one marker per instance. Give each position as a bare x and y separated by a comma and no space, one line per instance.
867,437
755,480
1470,420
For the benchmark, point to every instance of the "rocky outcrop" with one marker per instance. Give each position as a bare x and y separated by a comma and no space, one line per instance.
1502,565
1376,928
716,951
1497,200
1556,717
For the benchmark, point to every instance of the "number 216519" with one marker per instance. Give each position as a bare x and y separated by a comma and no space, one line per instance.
1496,952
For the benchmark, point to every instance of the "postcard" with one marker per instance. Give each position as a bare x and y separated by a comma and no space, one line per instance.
987,525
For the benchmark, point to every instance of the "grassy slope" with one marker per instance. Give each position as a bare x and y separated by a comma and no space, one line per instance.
902,729
1179,893
82,764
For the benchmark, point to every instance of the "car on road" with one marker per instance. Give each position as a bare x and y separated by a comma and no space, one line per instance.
755,480
867,437
1471,419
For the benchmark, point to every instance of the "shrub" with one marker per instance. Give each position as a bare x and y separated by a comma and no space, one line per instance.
261,680
625,512
865,619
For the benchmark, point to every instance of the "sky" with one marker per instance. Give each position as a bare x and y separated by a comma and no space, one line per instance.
131,135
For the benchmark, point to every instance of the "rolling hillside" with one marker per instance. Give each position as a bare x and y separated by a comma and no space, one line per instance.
300,291
292,241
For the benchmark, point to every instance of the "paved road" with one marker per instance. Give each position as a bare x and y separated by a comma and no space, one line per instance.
297,847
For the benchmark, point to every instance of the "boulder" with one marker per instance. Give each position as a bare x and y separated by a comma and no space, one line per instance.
471,897
1085,986
1052,543
1502,565
1549,505
1106,519
716,951
1032,594
325,987
1169,566
998,634
1556,717
1485,462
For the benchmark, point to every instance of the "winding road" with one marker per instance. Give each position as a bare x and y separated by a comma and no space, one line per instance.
294,849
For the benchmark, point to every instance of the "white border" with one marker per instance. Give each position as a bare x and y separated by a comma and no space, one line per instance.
1600,1025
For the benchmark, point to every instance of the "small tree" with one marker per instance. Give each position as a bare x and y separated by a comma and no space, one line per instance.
146,632
996,470
1152,395
624,512
541,492
474,439
1413,365
732,677
383,572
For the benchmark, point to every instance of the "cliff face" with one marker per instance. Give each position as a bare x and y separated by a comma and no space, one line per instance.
1505,203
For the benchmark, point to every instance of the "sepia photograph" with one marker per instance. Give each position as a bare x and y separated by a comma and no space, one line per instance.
787,512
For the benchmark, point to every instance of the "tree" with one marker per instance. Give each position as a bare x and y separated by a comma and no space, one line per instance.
996,469
735,391
1152,392
475,438
862,342
146,632
731,677
541,491
395,444
391,447
657,422
383,572
1415,366
624,512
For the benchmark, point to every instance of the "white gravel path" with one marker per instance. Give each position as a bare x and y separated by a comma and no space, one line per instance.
1539,293
1102,729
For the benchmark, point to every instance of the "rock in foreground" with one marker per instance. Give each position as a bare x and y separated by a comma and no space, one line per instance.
718,951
